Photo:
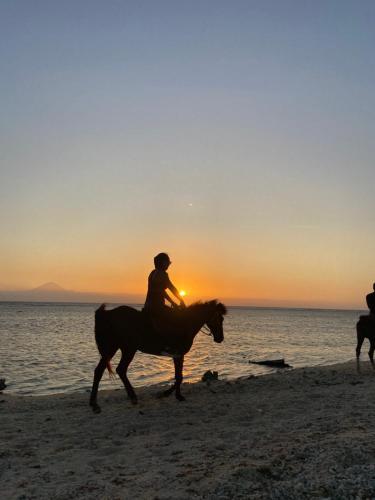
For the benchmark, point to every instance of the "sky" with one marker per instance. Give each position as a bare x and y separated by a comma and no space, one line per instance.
236,136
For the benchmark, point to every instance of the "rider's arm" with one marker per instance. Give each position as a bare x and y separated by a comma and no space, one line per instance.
167,297
175,292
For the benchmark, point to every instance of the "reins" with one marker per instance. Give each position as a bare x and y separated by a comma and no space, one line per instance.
207,332
204,329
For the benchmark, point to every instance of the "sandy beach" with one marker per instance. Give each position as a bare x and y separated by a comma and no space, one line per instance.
293,434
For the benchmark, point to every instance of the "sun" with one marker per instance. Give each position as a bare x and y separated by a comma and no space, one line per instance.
182,293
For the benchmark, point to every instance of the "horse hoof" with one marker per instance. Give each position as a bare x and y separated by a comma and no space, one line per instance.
180,398
96,408
134,401
165,394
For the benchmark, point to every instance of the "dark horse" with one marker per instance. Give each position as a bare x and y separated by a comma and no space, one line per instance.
366,329
130,330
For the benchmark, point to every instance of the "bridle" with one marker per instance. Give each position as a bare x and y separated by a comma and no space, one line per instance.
206,331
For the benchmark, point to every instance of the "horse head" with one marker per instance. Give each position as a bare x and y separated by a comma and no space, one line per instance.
217,311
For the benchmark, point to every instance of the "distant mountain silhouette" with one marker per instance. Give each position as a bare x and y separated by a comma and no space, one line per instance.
53,292
48,287
46,292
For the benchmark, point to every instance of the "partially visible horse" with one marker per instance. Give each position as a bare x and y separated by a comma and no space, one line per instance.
130,330
366,329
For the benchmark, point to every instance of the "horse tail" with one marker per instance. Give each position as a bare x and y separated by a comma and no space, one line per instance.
101,337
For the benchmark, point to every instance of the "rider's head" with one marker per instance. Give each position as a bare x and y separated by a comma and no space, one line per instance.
162,261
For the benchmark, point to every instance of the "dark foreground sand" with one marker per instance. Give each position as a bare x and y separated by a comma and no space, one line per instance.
296,434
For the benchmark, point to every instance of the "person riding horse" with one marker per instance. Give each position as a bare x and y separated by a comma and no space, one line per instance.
162,316
170,331
366,327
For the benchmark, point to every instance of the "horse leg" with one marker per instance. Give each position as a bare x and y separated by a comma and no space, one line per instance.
371,351
98,373
178,365
121,369
360,339
167,392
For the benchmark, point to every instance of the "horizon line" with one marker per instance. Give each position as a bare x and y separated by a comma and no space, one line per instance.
238,306
59,294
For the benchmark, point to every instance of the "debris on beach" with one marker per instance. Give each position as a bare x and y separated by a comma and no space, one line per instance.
210,375
278,363
2,384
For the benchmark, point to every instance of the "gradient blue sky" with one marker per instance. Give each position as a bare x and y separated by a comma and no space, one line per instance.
238,136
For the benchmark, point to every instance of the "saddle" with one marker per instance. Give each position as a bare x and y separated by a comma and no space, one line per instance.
162,334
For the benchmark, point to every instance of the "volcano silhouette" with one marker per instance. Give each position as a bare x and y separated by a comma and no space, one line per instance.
49,287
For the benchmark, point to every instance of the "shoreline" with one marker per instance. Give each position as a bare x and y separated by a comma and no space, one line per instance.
272,370
292,434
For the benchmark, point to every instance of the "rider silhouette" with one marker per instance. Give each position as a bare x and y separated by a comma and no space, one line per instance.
158,284
370,300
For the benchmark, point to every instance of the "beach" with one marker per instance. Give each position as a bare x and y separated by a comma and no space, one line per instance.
300,433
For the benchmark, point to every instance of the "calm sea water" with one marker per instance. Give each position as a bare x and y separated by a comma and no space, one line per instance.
49,348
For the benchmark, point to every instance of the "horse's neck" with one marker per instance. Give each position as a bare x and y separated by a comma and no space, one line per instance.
197,322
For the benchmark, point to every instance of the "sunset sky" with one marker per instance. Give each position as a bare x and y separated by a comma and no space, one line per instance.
236,136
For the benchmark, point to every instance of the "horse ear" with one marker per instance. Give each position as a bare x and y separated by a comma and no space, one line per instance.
221,308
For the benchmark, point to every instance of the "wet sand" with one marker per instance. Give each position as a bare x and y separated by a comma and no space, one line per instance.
293,434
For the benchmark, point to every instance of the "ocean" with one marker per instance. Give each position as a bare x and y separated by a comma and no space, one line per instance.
49,348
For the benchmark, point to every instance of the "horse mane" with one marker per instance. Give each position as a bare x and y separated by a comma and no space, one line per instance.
211,304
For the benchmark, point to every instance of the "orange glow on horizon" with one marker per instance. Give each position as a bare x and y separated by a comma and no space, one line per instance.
264,279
